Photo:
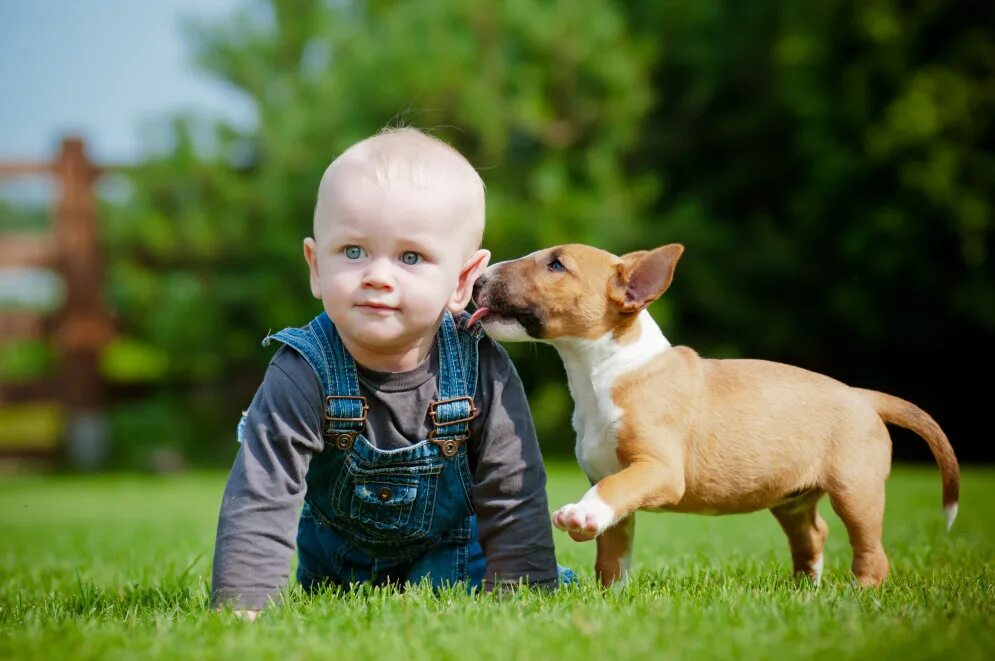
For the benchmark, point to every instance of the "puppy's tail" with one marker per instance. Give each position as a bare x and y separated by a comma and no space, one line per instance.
905,414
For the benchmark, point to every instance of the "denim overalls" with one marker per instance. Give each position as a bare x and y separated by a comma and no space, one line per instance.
389,515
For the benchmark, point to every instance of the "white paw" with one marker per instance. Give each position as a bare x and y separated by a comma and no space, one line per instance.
620,584
817,568
586,519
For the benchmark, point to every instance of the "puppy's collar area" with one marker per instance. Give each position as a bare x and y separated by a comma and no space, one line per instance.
606,356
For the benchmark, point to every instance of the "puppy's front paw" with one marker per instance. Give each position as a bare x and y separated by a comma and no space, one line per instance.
584,520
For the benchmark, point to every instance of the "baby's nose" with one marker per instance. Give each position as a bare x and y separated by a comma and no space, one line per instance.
377,275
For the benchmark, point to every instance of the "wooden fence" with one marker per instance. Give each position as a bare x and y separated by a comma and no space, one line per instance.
81,328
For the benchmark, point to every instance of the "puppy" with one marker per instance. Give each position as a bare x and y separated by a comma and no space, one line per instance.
660,428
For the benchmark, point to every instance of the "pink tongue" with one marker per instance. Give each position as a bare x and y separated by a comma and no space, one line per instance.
479,314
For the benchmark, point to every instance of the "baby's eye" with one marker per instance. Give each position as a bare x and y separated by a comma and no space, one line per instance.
354,252
411,258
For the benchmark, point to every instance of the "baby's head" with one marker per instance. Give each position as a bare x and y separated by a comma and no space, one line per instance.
397,231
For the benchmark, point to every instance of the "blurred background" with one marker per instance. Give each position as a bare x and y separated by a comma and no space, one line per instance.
829,167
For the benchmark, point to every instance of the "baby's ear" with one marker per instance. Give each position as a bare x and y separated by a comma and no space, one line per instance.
472,269
311,256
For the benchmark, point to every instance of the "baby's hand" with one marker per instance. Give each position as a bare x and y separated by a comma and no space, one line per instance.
249,615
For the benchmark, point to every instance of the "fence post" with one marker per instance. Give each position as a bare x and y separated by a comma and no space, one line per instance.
83,327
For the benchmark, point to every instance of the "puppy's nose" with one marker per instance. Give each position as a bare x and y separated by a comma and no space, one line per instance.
478,285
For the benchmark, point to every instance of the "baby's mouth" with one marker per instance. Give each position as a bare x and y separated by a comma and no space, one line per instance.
376,307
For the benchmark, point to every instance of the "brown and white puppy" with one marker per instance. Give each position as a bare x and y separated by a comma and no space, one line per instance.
660,428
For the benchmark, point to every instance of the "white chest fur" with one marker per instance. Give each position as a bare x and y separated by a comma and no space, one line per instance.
593,367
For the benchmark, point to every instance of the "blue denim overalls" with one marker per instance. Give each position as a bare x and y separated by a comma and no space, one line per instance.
389,515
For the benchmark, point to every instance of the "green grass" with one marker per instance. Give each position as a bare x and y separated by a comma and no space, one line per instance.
119,567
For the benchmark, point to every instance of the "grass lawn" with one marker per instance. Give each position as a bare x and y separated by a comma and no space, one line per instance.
119,566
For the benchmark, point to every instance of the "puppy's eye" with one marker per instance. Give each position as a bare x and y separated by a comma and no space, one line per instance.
557,265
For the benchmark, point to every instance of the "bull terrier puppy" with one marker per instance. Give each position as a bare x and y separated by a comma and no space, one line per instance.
660,428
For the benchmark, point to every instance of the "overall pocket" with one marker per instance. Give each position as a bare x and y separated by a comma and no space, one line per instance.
385,504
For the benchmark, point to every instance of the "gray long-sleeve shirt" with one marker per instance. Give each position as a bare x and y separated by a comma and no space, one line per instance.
259,512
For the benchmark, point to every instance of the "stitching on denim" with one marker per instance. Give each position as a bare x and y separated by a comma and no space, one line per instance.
344,377
462,554
338,558
401,471
465,478
458,377
420,445
318,328
302,342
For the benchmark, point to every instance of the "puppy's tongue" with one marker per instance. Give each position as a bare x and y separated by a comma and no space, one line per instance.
478,314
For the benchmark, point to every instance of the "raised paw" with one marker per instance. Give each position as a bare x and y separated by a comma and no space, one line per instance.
583,521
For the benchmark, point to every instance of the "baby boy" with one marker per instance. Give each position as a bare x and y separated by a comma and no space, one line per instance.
404,433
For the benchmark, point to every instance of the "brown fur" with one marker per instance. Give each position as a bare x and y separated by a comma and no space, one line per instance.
613,545
720,436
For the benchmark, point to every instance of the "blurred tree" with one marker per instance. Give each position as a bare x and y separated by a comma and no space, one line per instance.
546,99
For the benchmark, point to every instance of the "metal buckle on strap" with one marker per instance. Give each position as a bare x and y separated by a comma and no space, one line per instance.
330,418
449,446
432,412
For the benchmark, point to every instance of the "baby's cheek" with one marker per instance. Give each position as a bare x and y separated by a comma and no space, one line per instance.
430,288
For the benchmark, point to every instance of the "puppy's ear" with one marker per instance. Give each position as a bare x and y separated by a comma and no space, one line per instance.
643,276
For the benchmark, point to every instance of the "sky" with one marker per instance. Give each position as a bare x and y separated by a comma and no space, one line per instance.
109,70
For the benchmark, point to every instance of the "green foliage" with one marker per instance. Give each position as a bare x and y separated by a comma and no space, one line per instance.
125,360
122,569
544,100
836,162
828,168
25,360
21,217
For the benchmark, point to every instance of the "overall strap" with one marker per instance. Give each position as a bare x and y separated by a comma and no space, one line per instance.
319,343
452,412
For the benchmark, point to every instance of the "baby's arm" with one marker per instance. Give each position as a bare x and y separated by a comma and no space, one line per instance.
257,525
509,490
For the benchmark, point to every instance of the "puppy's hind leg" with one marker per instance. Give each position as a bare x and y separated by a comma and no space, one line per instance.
856,490
862,512
806,533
